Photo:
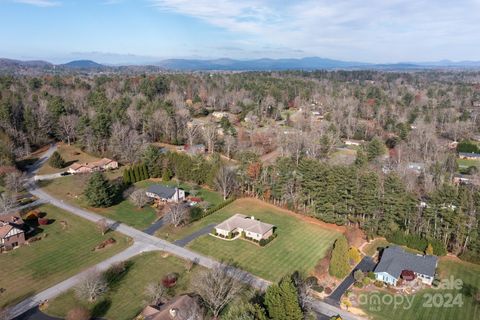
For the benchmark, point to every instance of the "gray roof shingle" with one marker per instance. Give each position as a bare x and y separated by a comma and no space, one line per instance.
394,260
164,192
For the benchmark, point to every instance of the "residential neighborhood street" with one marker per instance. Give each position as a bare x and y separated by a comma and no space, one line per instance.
143,242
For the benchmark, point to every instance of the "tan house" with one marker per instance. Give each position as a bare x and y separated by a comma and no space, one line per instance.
239,223
12,234
179,308
100,165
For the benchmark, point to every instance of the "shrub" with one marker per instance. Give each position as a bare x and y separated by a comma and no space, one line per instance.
371,275
195,214
328,290
56,161
366,281
264,242
214,231
43,221
170,280
378,284
318,288
354,255
467,146
358,284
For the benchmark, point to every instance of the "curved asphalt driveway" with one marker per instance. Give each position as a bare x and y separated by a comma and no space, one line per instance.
367,264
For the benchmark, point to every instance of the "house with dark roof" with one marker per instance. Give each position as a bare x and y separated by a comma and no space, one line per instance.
165,193
395,264
252,228
179,308
12,232
469,156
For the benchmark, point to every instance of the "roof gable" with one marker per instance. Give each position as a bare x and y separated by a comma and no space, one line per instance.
394,260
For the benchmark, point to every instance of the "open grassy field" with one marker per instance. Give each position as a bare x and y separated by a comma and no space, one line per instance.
465,163
58,256
125,299
71,154
298,246
466,309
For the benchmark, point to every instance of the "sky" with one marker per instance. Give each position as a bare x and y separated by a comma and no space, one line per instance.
141,31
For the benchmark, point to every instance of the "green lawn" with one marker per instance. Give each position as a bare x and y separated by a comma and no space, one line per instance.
465,163
468,273
60,255
211,197
70,188
125,299
372,248
298,246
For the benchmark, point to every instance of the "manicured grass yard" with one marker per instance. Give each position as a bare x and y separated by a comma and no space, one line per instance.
465,163
125,299
468,273
298,246
63,253
211,197
70,188
70,154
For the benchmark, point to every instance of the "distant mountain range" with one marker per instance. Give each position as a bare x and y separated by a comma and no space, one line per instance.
311,63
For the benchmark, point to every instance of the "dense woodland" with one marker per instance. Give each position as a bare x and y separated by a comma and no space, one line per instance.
403,117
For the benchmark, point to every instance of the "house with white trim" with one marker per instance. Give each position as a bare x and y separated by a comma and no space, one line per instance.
12,234
239,223
395,264
165,193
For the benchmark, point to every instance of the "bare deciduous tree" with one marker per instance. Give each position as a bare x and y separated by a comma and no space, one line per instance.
7,202
176,214
155,293
103,226
139,198
210,136
219,286
125,143
67,126
225,181
14,181
192,131
92,286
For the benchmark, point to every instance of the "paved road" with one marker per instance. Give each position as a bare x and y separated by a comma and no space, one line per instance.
367,264
154,227
143,242
48,176
205,230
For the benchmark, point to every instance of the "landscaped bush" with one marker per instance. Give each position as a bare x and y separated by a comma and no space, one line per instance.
264,242
328,290
371,275
43,221
378,284
170,280
195,214
358,284
318,288
417,242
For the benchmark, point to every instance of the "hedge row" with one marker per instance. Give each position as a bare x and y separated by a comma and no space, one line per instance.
218,207
417,242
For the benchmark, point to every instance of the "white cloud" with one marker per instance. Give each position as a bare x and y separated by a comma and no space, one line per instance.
371,29
39,3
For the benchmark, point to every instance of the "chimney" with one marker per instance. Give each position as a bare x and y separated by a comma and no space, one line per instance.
173,312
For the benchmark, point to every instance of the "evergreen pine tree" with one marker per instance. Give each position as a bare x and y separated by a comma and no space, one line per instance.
126,176
339,266
282,301
132,175
99,192
145,171
56,161
136,172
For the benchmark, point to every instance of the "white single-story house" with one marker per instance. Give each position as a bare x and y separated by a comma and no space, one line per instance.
395,263
165,193
352,142
239,223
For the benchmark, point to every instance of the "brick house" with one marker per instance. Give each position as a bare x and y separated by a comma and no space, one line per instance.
100,165
12,232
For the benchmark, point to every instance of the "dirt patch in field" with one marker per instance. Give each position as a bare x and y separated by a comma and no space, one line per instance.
311,220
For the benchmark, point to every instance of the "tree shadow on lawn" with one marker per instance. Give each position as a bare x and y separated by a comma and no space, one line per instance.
101,308
115,274
469,290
